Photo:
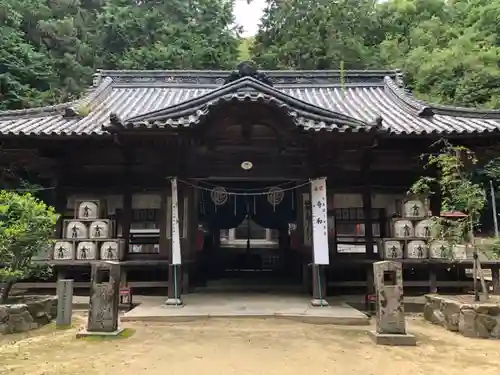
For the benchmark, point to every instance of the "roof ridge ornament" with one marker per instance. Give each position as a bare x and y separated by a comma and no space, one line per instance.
248,69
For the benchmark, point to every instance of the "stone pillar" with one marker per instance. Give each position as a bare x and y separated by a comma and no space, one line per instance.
64,303
104,300
390,318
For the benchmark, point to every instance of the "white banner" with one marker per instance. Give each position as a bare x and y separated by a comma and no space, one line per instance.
176,241
319,221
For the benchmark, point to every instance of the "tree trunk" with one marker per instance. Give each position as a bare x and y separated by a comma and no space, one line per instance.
6,291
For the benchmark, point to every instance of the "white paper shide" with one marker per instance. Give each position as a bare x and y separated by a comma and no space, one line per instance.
176,242
319,221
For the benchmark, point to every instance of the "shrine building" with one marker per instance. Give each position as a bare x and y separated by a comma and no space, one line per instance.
190,178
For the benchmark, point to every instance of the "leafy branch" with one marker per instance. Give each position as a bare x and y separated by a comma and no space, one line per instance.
452,175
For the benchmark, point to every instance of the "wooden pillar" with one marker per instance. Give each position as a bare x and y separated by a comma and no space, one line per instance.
330,210
432,280
367,204
127,217
60,197
495,280
187,233
165,228
435,200
60,204
123,277
370,284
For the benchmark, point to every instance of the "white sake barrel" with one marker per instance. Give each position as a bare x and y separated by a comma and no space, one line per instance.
110,250
88,210
423,228
393,250
85,251
99,229
439,249
63,250
403,228
76,230
417,249
459,252
414,208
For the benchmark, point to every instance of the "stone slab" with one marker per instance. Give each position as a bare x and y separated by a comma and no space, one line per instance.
393,339
258,306
85,333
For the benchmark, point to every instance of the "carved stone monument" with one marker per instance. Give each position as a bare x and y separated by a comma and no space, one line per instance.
64,303
104,300
390,320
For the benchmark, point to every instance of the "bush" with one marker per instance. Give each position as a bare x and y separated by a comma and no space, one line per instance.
26,227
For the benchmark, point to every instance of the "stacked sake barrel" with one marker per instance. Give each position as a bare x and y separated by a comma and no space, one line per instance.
87,237
411,236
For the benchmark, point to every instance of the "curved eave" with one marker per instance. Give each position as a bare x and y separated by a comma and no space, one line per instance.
423,109
55,119
52,135
247,89
447,134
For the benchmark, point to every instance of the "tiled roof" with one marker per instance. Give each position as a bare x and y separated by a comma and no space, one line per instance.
317,100
306,115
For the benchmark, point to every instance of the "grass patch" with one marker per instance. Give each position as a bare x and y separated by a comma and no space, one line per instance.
63,328
125,334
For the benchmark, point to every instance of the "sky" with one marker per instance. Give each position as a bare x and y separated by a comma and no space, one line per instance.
248,16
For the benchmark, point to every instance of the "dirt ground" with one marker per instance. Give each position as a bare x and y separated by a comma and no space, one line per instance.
221,347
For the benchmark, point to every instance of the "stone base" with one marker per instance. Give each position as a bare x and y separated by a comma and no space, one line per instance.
316,302
174,302
393,339
464,315
85,333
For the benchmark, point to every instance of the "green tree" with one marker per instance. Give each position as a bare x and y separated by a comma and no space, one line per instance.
305,34
26,226
50,48
46,52
174,34
244,48
448,50
453,170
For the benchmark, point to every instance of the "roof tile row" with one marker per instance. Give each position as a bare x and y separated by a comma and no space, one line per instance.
135,96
